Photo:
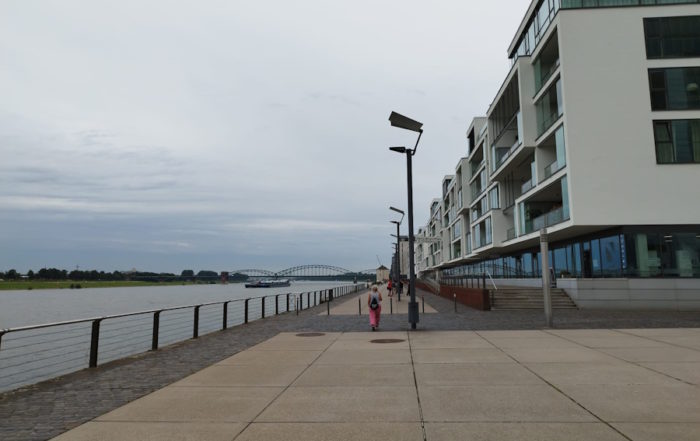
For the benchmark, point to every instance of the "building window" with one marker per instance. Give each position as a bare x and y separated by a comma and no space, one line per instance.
672,37
493,196
675,89
677,141
549,108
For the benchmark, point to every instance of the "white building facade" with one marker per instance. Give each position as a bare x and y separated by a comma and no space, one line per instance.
595,136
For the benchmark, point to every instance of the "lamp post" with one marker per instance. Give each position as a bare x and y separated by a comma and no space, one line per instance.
403,122
398,248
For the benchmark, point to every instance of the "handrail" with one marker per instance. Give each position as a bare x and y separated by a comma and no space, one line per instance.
29,351
494,283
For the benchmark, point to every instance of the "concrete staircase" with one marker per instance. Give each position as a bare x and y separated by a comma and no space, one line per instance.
512,297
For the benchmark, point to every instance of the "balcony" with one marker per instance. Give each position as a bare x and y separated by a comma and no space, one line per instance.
546,220
510,234
549,108
553,168
527,186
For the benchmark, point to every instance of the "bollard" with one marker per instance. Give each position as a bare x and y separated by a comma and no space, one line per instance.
245,313
277,304
391,305
423,299
455,297
263,307
328,308
359,305
225,319
156,326
195,327
94,342
288,302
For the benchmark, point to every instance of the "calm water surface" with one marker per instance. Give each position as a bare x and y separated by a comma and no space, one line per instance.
20,308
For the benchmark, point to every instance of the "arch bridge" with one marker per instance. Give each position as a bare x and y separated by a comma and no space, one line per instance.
307,272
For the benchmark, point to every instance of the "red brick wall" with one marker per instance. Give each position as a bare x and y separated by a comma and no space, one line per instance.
476,298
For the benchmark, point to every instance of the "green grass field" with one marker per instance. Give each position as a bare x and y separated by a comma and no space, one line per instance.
65,284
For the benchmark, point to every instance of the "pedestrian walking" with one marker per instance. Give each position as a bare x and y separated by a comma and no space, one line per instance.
374,303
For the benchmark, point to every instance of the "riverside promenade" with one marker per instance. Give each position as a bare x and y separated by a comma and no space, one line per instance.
467,375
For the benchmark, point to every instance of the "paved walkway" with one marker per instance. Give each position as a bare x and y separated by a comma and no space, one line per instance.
357,304
50,408
604,385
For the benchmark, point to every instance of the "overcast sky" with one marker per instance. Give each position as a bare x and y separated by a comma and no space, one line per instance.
166,135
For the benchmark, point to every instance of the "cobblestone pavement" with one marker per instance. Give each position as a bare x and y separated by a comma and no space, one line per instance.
47,409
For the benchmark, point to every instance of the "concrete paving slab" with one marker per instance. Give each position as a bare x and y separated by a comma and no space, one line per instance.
659,354
332,432
534,343
282,357
499,404
244,375
344,404
305,336
687,341
465,340
620,341
660,431
403,335
357,375
155,431
366,356
689,372
598,373
521,432
352,345
586,333
638,402
197,404
558,355
474,374
513,334
305,344
662,332
460,355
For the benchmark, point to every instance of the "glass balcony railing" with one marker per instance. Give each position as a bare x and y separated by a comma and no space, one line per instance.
475,167
510,234
546,220
553,168
527,186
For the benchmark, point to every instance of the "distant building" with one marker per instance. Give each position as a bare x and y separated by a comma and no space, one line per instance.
382,274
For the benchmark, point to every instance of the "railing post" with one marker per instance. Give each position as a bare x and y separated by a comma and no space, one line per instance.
245,313
156,327
94,342
297,299
277,304
308,299
225,318
423,298
328,308
359,306
288,301
263,307
483,280
455,298
391,305
195,328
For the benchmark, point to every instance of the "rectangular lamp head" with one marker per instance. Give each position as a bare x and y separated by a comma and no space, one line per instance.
396,210
404,122
398,149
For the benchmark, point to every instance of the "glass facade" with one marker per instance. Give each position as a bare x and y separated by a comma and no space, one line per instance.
677,141
675,88
672,37
549,108
633,252
567,4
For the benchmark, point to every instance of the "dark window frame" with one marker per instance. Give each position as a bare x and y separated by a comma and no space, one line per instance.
656,90
669,126
658,37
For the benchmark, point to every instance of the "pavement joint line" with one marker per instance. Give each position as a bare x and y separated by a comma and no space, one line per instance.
657,341
415,383
289,385
559,390
634,363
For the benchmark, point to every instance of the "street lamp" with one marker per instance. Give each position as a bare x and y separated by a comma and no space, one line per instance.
398,248
403,122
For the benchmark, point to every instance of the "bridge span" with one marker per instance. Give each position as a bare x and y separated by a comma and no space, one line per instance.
307,271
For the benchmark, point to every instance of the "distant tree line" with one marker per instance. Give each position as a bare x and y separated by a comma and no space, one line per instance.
141,276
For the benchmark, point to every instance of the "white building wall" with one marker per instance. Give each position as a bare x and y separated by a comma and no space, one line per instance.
613,175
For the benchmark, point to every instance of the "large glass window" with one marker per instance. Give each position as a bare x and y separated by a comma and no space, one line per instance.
677,141
673,37
493,198
675,88
549,108
610,253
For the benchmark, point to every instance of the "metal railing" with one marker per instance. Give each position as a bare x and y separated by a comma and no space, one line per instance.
465,281
29,354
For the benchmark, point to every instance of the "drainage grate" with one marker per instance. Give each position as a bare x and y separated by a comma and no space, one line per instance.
387,340
311,334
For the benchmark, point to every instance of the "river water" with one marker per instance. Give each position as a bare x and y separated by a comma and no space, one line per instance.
31,356
22,308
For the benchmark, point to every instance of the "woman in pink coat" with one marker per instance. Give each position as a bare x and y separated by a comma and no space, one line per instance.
374,304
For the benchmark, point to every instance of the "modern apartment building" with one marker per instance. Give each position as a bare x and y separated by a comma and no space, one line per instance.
595,136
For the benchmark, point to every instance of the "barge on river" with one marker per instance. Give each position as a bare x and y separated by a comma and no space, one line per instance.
268,283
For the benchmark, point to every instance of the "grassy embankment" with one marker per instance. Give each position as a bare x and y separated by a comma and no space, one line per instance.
66,284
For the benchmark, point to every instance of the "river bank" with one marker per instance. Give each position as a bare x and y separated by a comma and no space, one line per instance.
78,284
